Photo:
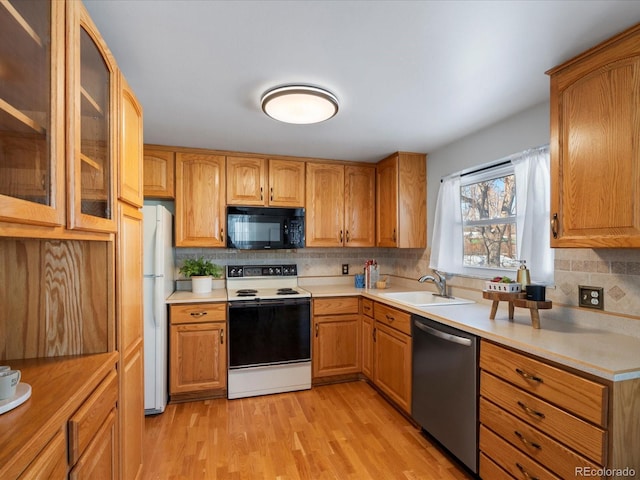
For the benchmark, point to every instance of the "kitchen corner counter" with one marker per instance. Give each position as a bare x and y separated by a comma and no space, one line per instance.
187,296
605,354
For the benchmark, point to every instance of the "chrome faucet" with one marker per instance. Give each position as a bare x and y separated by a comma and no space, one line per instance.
440,282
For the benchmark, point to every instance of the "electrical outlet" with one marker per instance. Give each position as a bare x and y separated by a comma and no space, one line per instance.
591,297
345,269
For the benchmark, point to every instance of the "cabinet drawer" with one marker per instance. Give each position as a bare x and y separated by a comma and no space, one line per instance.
51,462
394,318
335,305
84,424
574,432
198,313
367,307
531,441
510,458
584,398
490,470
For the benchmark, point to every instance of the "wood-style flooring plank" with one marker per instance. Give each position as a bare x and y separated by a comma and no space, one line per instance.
345,431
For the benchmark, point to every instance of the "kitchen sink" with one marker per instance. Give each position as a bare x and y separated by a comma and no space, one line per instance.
424,299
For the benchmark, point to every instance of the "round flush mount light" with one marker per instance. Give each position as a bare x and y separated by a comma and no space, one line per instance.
301,104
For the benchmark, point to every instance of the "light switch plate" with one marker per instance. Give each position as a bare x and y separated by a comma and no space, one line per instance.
591,297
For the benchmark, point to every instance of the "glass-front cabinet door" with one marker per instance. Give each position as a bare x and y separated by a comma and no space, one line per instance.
32,112
91,107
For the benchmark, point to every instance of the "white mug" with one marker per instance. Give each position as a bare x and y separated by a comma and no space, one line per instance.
9,380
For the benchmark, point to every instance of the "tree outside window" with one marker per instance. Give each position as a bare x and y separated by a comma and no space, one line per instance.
489,222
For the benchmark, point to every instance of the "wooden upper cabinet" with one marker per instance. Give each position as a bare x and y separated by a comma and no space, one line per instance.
340,205
261,182
32,124
359,206
200,200
401,201
246,181
286,183
92,93
131,147
595,146
324,220
159,173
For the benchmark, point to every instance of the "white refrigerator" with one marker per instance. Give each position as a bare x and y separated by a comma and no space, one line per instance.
158,285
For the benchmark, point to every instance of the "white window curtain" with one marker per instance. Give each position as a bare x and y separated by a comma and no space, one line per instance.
531,169
533,203
446,244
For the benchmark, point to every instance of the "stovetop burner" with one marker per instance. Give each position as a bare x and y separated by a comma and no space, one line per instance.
246,290
287,291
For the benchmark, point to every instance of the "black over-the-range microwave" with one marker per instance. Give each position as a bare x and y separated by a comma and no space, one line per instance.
258,228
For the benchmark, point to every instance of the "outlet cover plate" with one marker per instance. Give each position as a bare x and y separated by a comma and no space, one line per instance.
591,297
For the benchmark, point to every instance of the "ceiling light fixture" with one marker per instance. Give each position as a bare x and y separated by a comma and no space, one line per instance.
301,104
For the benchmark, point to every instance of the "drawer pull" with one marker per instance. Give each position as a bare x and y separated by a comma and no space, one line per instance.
530,410
528,443
526,474
528,376
389,317
198,314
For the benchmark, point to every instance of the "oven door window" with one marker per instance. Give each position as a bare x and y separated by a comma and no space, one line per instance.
262,333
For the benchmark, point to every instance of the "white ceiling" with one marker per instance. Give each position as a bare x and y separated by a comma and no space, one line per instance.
410,75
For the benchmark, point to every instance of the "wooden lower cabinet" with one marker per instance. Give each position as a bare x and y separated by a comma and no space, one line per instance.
100,460
198,351
392,364
132,414
336,337
540,420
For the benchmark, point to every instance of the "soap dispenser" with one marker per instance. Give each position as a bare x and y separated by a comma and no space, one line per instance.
523,277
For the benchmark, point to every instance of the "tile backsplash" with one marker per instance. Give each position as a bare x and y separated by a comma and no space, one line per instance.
617,271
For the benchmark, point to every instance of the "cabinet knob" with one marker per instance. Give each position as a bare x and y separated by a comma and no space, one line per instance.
389,317
222,336
393,237
317,330
222,235
526,474
348,239
261,196
374,334
271,191
554,225
340,236
530,411
198,314
527,442
528,376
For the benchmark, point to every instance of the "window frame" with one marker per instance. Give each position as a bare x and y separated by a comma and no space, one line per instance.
490,172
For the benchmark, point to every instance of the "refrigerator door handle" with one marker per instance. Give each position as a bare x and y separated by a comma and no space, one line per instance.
157,305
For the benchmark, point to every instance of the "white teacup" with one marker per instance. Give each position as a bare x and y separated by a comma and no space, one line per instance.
9,380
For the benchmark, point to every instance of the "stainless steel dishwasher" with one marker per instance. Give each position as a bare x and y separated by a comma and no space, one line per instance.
445,387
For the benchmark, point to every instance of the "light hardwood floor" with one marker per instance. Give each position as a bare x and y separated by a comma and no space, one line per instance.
342,431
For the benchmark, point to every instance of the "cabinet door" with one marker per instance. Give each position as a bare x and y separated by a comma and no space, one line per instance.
325,205
367,346
359,206
387,203
91,105
132,414
32,125
130,337
286,183
392,365
246,181
595,148
131,145
200,200
159,173
198,358
336,345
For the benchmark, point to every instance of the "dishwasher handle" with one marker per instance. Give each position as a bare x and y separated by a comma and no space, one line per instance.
443,335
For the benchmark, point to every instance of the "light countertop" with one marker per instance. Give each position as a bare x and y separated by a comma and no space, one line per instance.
590,349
